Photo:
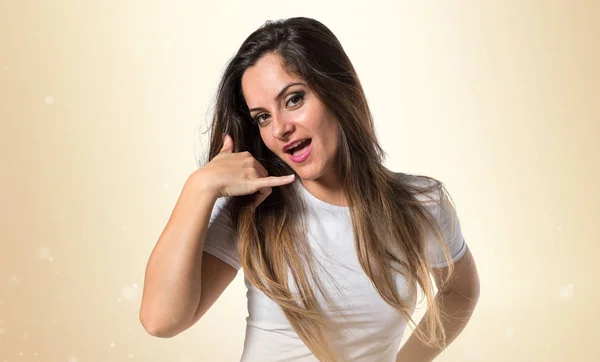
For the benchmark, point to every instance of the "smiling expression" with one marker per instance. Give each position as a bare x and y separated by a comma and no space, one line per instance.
285,109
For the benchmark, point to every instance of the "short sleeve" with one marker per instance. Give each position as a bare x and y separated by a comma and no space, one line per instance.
220,236
448,220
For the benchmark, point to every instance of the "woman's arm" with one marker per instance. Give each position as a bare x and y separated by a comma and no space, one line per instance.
182,282
457,300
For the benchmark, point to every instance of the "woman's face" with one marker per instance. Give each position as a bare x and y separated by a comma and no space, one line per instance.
285,111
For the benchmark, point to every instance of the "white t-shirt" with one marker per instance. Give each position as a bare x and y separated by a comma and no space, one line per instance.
363,326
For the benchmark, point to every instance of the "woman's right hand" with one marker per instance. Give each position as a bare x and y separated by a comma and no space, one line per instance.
235,174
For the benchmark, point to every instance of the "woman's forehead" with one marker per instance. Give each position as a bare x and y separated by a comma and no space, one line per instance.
263,81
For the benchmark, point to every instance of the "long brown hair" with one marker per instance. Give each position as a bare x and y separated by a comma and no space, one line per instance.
391,216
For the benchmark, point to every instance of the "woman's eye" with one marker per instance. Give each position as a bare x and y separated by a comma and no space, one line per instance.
260,118
295,99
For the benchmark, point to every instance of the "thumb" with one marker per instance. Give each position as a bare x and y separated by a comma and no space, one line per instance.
227,144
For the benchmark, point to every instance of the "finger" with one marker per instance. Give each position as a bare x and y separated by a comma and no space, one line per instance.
273,181
260,169
227,144
261,195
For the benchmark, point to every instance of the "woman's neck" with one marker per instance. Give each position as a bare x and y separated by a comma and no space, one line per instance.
328,192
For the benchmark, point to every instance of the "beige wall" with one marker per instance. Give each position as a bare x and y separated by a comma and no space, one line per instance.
101,108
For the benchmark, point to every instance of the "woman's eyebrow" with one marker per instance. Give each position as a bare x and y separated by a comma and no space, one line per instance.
280,94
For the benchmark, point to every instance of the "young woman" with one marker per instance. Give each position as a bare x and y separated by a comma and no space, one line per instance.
334,247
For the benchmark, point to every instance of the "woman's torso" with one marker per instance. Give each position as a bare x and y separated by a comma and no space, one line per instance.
363,327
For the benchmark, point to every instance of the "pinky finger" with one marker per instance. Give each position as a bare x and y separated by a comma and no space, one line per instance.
273,181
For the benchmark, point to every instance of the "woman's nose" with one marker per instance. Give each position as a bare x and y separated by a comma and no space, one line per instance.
282,126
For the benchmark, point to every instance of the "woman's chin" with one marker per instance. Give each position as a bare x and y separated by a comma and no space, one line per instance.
308,175
306,171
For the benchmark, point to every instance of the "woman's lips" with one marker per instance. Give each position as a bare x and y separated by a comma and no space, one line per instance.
303,155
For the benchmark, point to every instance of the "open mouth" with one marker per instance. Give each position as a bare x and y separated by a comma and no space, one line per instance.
300,148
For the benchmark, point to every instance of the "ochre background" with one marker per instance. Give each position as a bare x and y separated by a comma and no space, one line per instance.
102,109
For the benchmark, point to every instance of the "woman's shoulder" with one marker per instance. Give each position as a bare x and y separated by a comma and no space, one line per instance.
416,179
424,188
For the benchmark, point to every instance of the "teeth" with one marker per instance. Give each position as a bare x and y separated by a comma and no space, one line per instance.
294,145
